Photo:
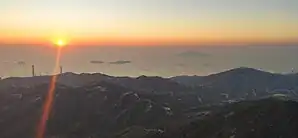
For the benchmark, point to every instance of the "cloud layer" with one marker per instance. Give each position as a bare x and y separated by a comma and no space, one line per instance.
120,62
96,62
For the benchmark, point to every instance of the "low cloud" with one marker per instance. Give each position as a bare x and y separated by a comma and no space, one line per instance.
120,62
193,54
96,62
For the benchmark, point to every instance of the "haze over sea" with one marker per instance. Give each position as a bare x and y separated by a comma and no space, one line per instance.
163,61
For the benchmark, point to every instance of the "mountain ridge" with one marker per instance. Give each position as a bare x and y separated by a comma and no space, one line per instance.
102,106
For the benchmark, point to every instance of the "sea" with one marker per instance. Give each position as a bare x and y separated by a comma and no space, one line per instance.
164,61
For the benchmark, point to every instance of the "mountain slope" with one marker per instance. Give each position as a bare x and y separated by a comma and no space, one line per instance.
97,105
93,110
256,119
244,83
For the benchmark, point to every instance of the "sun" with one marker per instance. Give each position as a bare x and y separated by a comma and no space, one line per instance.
60,43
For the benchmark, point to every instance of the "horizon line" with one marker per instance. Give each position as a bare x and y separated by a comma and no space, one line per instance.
159,44
212,73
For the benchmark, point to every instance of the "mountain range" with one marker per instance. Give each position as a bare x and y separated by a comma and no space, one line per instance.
102,106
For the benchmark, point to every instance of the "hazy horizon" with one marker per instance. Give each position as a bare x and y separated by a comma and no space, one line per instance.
151,61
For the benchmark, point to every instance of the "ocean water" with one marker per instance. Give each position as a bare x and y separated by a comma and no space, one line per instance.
16,61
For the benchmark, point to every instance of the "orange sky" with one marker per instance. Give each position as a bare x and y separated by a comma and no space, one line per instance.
130,22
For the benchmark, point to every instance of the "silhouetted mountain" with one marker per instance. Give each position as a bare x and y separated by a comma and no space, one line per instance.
153,84
148,84
232,75
236,84
98,105
188,80
68,79
244,83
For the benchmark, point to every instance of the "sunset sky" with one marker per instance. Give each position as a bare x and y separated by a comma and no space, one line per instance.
135,22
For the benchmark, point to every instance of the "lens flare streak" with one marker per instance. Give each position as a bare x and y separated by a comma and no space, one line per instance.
47,107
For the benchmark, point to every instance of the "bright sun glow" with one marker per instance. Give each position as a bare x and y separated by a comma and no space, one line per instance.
60,43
